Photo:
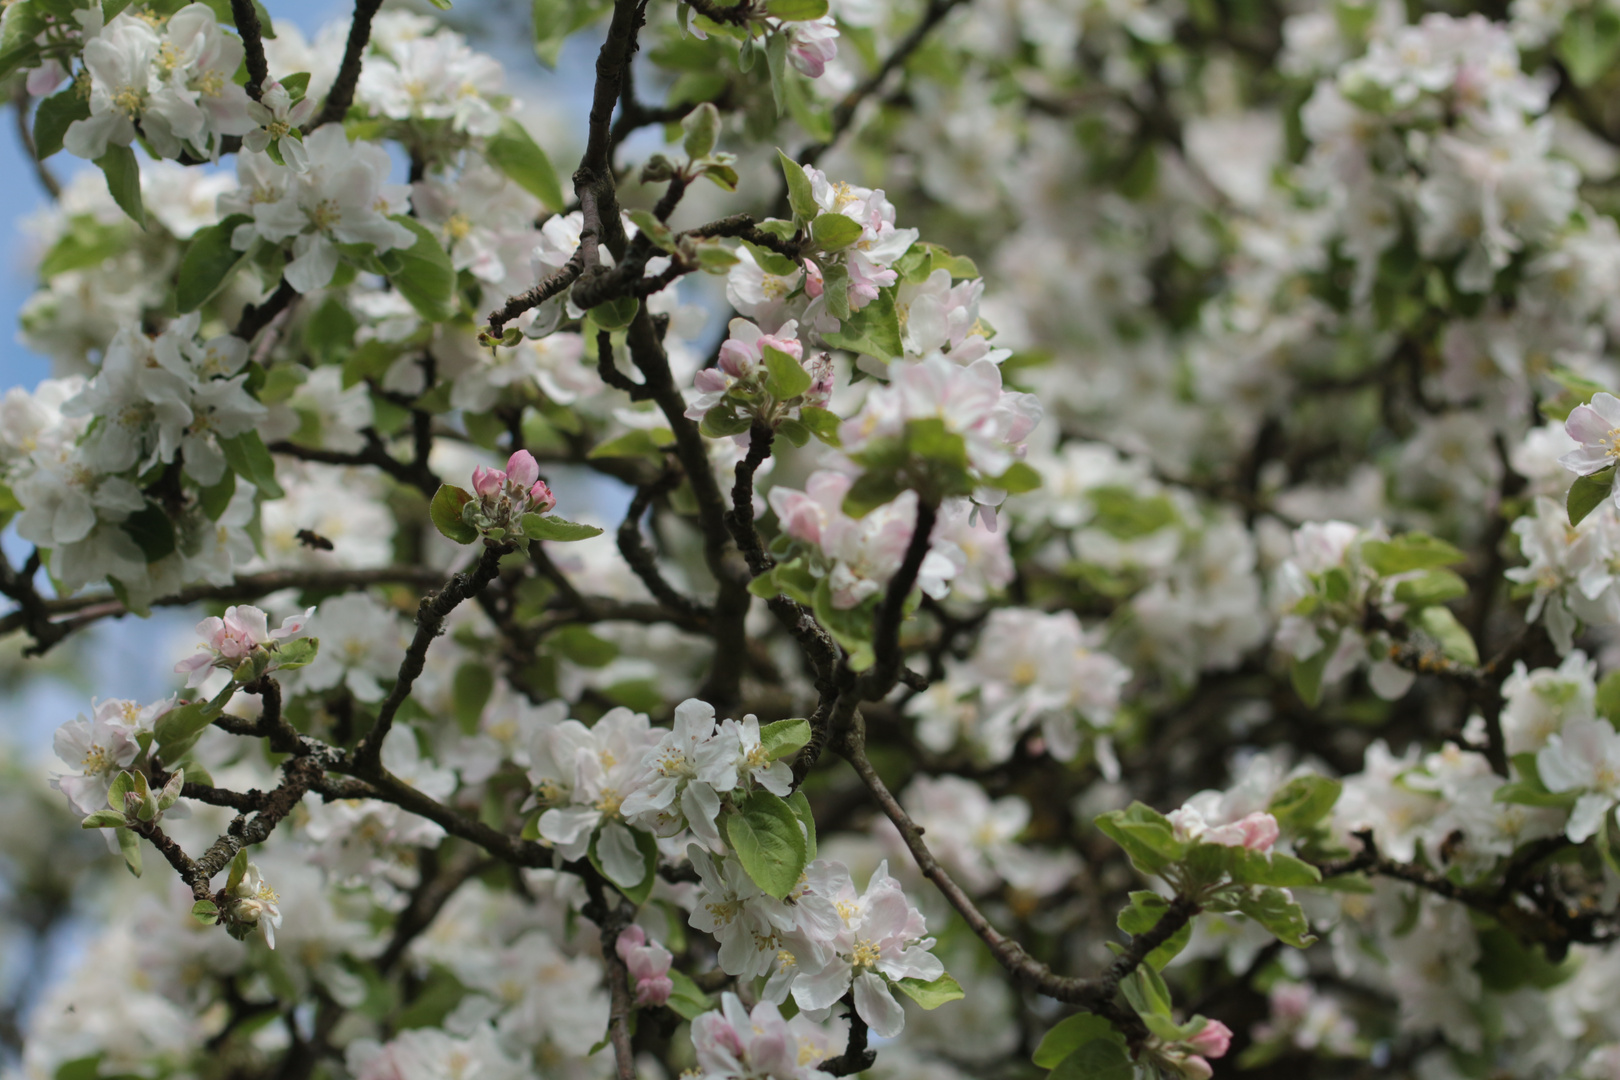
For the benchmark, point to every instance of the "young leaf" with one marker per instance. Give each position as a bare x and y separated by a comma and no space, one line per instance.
536,527
1146,836
1099,1059
800,196
425,276
517,155
1068,1036
445,510
1587,493
796,10
800,805
776,60
250,459
766,836
833,231
1277,911
129,845
784,737
54,116
209,263
123,174
786,378
1304,801
931,995
1456,643
1146,909
702,128
822,423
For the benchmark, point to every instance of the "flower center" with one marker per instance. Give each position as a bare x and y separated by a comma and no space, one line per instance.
867,954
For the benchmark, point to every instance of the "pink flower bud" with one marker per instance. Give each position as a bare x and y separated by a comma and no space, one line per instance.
648,963
812,44
487,482
738,359
541,498
790,346
1213,1041
800,515
523,469
1195,1068
813,282
1259,833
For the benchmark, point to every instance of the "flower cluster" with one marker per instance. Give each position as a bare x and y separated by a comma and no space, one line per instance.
172,83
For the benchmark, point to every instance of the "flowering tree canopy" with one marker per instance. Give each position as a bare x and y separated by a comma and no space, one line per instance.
684,618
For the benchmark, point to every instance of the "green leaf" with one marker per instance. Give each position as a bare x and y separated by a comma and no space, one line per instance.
297,653
874,330
870,491
24,22
1277,911
616,314
205,912
1099,1059
1144,988
960,266
686,999
176,731
647,845
536,527
1306,675
1304,801
239,866
1589,44
129,845
833,231
1146,909
209,263
1588,492
105,819
579,645
835,288
250,459
1430,587
793,431
784,737
1608,696
636,443
786,378
776,59
1069,1035
800,196
1456,643
702,131
469,691
822,423
1145,834
766,836
214,500
445,510
796,10
654,230
1273,868
54,116
123,174
931,995
426,277
1409,551
1019,478
513,151
800,805
152,529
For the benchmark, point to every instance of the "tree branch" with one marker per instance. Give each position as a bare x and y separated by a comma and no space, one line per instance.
341,96
430,616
